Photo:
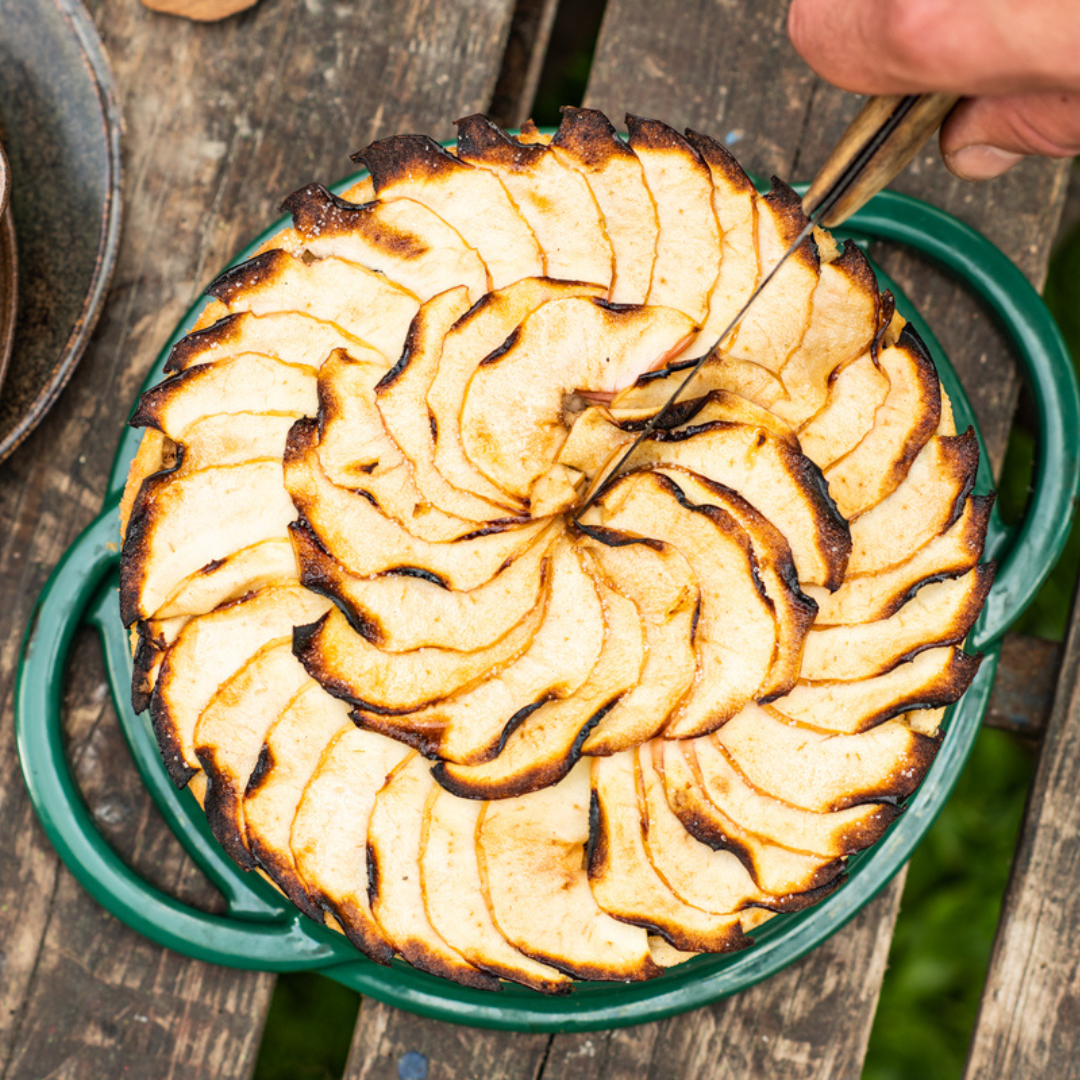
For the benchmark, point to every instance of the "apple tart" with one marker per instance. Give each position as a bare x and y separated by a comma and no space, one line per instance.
438,713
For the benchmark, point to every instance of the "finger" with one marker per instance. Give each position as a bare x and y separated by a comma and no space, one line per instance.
920,46
984,137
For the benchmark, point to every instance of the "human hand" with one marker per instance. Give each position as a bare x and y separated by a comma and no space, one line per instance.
1016,63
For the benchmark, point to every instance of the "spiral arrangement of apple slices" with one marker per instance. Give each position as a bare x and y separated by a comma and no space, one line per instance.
440,715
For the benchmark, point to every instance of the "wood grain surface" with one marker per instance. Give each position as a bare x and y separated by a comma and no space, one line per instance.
222,121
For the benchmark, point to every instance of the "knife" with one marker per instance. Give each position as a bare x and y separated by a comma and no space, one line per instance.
881,140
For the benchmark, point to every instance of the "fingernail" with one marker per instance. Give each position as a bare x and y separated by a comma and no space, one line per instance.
981,161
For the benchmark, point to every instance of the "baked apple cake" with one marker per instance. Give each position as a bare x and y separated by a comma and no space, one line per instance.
438,712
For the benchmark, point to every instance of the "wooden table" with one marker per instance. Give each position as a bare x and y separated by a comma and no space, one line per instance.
222,121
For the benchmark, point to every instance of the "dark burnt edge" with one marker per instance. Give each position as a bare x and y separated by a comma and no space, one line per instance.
800,901
964,449
360,930
316,210
418,572
650,969
407,353
197,342
596,847
513,724
720,159
246,275
147,650
286,878
664,372
500,351
147,410
787,206
615,538
480,141
373,876
712,835
313,578
886,311
888,790
898,600
484,301
433,425
588,136
180,772
371,718
388,159
264,765
656,135
420,956
682,412
220,803
610,305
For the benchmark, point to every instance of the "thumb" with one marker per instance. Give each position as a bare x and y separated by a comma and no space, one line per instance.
985,136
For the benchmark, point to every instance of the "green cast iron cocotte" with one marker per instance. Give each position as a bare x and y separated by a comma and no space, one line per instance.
262,930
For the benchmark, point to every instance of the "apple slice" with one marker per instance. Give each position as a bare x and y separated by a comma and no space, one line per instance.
624,881
395,683
658,579
777,870
551,196
476,335
532,857
329,832
394,841
288,336
934,678
547,744
734,203
870,597
181,524
241,384
855,395
454,897
367,542
150,640
288,759
688,245
719,372
472,726
787,488
939,614
401,238
210,649
928,501
399,612
232,439
587,141
364,304
821,771
512,424
593,440
829,835
775,325
245,571
903,424
793,610
472,201
844,319
735,633
230,732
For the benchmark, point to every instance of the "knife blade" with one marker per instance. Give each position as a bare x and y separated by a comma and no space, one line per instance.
881,140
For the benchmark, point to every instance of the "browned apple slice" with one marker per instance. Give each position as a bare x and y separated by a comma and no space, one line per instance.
903,424
593,440
180,524
793,610
688,245
777,870
777,320
830,835
232,439
210,649
934,678
939,614
288,336
854,397
454,896
242,384
551,196
364,304
481,331
787,488
400,612
719,372
230,732
532,857
288,758
383,683
394,840
587,141
245,571
547,744
733,199
626,884
367,542
472,726
329,832
869,597
844,319
822,772
735,633
401,238
658,579
150,640
512,424
472,201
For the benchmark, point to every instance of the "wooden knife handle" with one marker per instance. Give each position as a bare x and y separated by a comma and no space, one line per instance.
880,141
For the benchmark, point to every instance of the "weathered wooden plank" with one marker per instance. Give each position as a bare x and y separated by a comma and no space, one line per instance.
222,121
1029,1020
1023,691
526,48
